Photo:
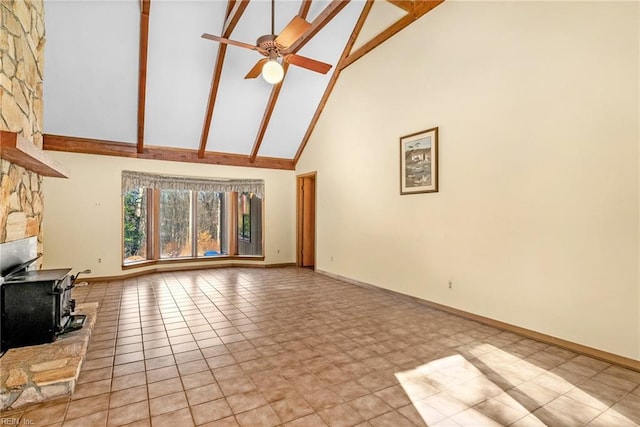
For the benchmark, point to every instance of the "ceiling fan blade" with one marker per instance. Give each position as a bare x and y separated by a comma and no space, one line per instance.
229,41
256,70
308,63
292,32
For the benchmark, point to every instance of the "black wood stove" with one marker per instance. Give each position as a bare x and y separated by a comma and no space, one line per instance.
36,305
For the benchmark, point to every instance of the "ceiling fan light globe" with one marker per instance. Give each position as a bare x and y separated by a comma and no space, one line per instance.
272,71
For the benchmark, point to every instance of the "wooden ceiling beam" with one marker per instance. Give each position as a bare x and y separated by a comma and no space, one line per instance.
213,92
406,5
321,20
145,8
122,149
235,9
420,8
334,78
304,8
266,117
275,93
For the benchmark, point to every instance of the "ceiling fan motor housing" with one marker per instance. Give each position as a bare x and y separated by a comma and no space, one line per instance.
267,44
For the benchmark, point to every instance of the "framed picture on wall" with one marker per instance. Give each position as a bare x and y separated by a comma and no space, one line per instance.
419,162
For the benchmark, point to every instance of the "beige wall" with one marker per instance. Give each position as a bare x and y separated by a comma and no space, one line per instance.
83,221
537,218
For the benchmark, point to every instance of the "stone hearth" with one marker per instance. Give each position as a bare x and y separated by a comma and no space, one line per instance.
43,372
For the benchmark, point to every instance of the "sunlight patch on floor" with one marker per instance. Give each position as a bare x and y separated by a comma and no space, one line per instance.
497,389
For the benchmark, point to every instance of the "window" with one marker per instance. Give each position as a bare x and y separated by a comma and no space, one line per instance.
244,220
209,220
175,223
249,224
184,223
135,225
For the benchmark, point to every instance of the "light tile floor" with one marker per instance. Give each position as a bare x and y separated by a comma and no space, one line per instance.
267,347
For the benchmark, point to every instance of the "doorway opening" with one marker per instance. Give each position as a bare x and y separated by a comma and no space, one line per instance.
306,220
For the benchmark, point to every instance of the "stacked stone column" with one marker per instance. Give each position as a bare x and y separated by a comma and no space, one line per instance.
21,71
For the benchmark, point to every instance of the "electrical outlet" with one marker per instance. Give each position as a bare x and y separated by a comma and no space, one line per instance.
450,284
331,258
278,251
99,260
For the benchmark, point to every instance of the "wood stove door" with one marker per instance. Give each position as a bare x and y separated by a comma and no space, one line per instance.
28,313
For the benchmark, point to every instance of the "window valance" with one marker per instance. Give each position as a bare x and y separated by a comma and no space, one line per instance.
132,180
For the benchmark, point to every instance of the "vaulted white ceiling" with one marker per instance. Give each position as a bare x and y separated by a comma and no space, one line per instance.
92,75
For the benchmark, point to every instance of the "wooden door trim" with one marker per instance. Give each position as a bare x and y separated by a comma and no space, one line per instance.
299,179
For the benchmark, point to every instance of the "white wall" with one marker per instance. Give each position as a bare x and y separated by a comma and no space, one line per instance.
83,214
537,217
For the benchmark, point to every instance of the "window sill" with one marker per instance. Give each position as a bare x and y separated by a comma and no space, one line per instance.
211,260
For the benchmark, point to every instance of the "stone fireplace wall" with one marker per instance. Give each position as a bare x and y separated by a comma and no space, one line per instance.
21,70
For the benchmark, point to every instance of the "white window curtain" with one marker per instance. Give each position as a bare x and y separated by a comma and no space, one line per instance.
132,180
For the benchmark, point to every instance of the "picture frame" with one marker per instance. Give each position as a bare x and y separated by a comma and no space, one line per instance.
419,162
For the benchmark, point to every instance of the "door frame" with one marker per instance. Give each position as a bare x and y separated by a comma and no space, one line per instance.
299,212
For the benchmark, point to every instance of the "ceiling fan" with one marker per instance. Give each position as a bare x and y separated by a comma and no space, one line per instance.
277,46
